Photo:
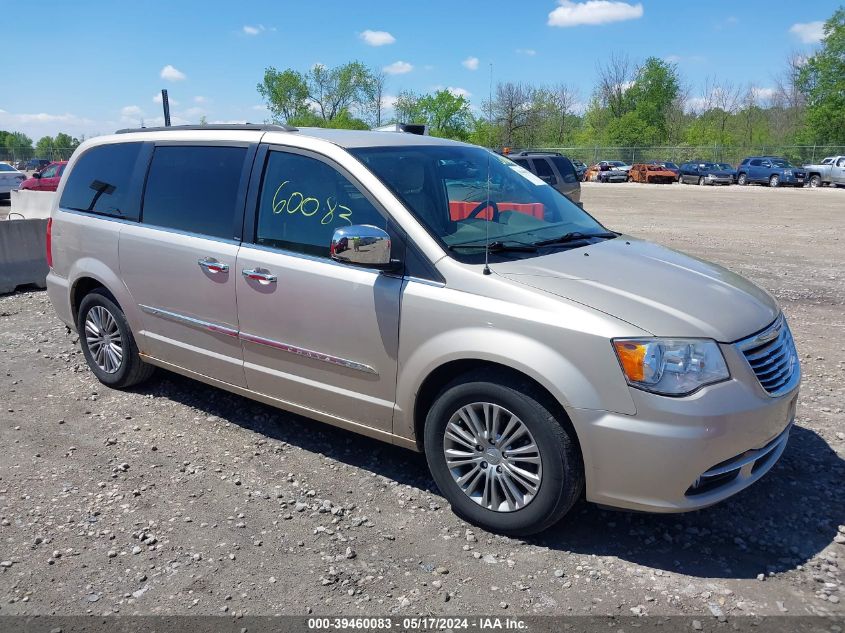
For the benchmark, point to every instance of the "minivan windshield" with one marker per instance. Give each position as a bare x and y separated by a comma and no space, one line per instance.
447,187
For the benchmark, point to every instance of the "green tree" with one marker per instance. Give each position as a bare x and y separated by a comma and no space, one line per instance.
64,145
329,93
407,108
285,93
19,145
822,80
447,114
44,147
655,88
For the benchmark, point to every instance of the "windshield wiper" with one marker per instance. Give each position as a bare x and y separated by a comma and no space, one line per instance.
574,236
499,247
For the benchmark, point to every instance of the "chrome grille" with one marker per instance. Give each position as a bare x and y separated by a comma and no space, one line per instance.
772,356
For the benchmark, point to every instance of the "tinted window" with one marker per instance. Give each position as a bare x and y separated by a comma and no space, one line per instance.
840,162
194,189
565,168
5,167
303,200
523,162
756,162
101,181
543,169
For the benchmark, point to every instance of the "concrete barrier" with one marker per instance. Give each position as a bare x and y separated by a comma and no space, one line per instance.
23,259
32,205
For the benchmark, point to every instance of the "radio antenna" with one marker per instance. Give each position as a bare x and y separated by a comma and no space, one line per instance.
487,209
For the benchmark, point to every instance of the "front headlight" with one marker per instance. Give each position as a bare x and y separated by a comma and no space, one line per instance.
788,172
671,367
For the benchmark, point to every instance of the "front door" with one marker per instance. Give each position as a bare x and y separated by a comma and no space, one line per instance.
316,333
837,172
179,261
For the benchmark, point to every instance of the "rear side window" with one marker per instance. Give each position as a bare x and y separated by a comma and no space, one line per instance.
756,162
303,200
544,170
101,181
565,168
194,189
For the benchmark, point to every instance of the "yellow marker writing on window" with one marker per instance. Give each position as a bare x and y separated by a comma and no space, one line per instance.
308,206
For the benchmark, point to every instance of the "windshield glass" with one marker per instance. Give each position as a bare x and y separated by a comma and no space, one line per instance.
446,188
724,166
5,167
670,165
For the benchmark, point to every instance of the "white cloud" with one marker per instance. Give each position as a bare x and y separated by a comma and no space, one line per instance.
258,29
459,92
388,101
571,13
131,112
470,63
530,52
398,68
157,99
260,108
171,73
808,32
229,122
377,38
763,94
194,112
200,99
38,124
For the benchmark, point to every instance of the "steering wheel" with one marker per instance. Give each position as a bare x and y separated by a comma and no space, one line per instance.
483,205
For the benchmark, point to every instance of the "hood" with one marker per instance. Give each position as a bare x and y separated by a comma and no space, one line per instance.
657,289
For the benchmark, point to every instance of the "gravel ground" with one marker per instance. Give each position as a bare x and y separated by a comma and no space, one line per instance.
177,498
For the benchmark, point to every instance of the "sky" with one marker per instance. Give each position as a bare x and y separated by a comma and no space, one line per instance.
101,64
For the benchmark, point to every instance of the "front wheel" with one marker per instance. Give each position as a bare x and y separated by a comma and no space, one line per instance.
774,180
500,456
815,181
742,179
107,342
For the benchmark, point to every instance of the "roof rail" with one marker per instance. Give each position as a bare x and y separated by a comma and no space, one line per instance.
259,127
540,152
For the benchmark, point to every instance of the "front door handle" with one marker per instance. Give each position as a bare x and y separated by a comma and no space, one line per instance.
257,274
212,265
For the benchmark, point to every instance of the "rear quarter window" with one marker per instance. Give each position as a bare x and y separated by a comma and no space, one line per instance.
565,168
101,181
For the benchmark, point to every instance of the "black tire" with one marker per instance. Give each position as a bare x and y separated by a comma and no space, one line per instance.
131,370
562,466
701,181
815,181
774,180
742,180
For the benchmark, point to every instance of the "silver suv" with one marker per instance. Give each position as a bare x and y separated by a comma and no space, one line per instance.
431,294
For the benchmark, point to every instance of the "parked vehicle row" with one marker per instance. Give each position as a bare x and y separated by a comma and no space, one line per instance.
10,179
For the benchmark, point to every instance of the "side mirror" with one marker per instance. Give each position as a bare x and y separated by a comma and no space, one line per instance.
362,245
36,175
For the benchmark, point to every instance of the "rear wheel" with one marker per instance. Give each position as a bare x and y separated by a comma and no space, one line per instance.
742,179
774,180
701,181
500,456
107,342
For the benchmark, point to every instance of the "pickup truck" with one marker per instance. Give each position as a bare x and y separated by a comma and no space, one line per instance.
831,171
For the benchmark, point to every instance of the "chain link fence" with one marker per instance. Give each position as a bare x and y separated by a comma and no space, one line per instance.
52,153
798,154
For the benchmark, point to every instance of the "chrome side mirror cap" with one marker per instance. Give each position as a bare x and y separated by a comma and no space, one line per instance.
362,245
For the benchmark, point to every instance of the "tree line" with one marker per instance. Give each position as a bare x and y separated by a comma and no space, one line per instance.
18,146
632,104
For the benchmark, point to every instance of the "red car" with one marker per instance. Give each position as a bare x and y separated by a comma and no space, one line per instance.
47,179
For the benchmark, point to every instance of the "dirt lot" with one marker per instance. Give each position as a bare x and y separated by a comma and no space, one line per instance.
178,498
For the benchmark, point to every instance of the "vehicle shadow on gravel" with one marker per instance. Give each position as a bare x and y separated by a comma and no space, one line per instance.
781,521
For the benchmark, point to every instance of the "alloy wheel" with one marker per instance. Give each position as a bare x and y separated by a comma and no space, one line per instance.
492,457
103,339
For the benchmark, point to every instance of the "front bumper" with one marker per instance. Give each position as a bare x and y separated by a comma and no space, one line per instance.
682,454
719,180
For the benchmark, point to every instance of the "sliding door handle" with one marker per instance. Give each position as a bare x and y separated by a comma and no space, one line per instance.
260,275
212,265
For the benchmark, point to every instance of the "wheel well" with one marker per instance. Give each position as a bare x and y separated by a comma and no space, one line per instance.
443,375
81,288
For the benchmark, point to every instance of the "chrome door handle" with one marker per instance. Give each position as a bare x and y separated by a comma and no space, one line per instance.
212,265
257,274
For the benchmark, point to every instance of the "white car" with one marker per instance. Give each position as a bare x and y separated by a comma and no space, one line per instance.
10,180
